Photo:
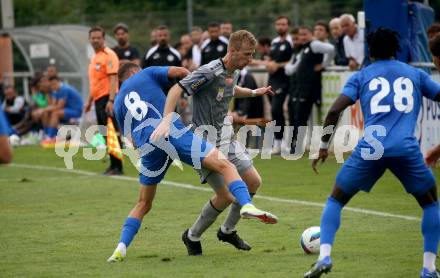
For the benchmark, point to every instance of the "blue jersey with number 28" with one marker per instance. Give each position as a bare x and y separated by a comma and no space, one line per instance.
390,94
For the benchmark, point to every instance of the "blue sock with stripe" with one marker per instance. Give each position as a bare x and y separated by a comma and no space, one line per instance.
240,191
330,220
129,230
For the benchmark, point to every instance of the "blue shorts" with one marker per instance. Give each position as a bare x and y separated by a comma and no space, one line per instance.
359,174
70,113
190,148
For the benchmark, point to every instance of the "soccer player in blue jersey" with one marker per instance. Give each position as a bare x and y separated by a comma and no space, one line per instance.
139,106
390,93
67,105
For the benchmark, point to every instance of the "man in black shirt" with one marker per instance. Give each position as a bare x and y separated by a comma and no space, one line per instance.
314,56
162,54
280,54
125,52
216,46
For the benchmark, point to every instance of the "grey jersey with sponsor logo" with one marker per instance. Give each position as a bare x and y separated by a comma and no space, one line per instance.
212,90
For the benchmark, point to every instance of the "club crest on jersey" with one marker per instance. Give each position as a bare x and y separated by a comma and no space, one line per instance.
220,94
98,67
127,53
220,48
282,47
198,83
170,58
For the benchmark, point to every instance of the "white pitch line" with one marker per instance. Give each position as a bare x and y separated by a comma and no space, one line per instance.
193,187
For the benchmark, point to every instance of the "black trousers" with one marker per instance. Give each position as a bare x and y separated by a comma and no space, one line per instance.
299,113
277,113
101,117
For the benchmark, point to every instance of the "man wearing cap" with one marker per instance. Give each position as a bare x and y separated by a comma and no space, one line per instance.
125,52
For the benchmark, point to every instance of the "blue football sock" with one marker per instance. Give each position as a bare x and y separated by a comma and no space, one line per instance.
330,220
431,227
129,230
240,191
52,132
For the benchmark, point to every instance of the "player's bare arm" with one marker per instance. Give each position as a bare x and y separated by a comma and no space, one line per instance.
332,119
163,129
240,92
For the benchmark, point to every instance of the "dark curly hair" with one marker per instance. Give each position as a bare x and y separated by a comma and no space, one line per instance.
383,44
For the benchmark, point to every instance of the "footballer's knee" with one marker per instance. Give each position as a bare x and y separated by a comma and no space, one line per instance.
339,195
221,201
254,183
428,197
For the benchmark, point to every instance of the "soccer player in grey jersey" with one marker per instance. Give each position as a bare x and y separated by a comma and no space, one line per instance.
212,86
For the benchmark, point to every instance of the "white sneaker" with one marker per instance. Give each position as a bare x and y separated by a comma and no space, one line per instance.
249,211
116,257
119,253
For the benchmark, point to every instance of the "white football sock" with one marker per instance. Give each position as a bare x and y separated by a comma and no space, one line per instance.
324,251
122,248
429,261
226,230
191,237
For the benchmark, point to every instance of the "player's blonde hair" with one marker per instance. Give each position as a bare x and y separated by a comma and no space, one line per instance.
240,38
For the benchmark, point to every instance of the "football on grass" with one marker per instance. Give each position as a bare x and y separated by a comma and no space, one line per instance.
310,240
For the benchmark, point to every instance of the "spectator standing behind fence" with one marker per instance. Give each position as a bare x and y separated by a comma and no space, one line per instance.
103,69
263,48
307,70
196,50
226,29
215,46
162,54
125,51
247,108
338,42
353,41
14,106
66,107
185,50
297,46
280,54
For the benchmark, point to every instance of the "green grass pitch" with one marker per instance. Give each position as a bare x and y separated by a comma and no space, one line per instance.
60,223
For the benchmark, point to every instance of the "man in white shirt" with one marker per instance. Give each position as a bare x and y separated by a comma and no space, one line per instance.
353,41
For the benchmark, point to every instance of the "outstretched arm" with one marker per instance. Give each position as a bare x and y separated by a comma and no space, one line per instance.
177,72
331,120
163,129
240,92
